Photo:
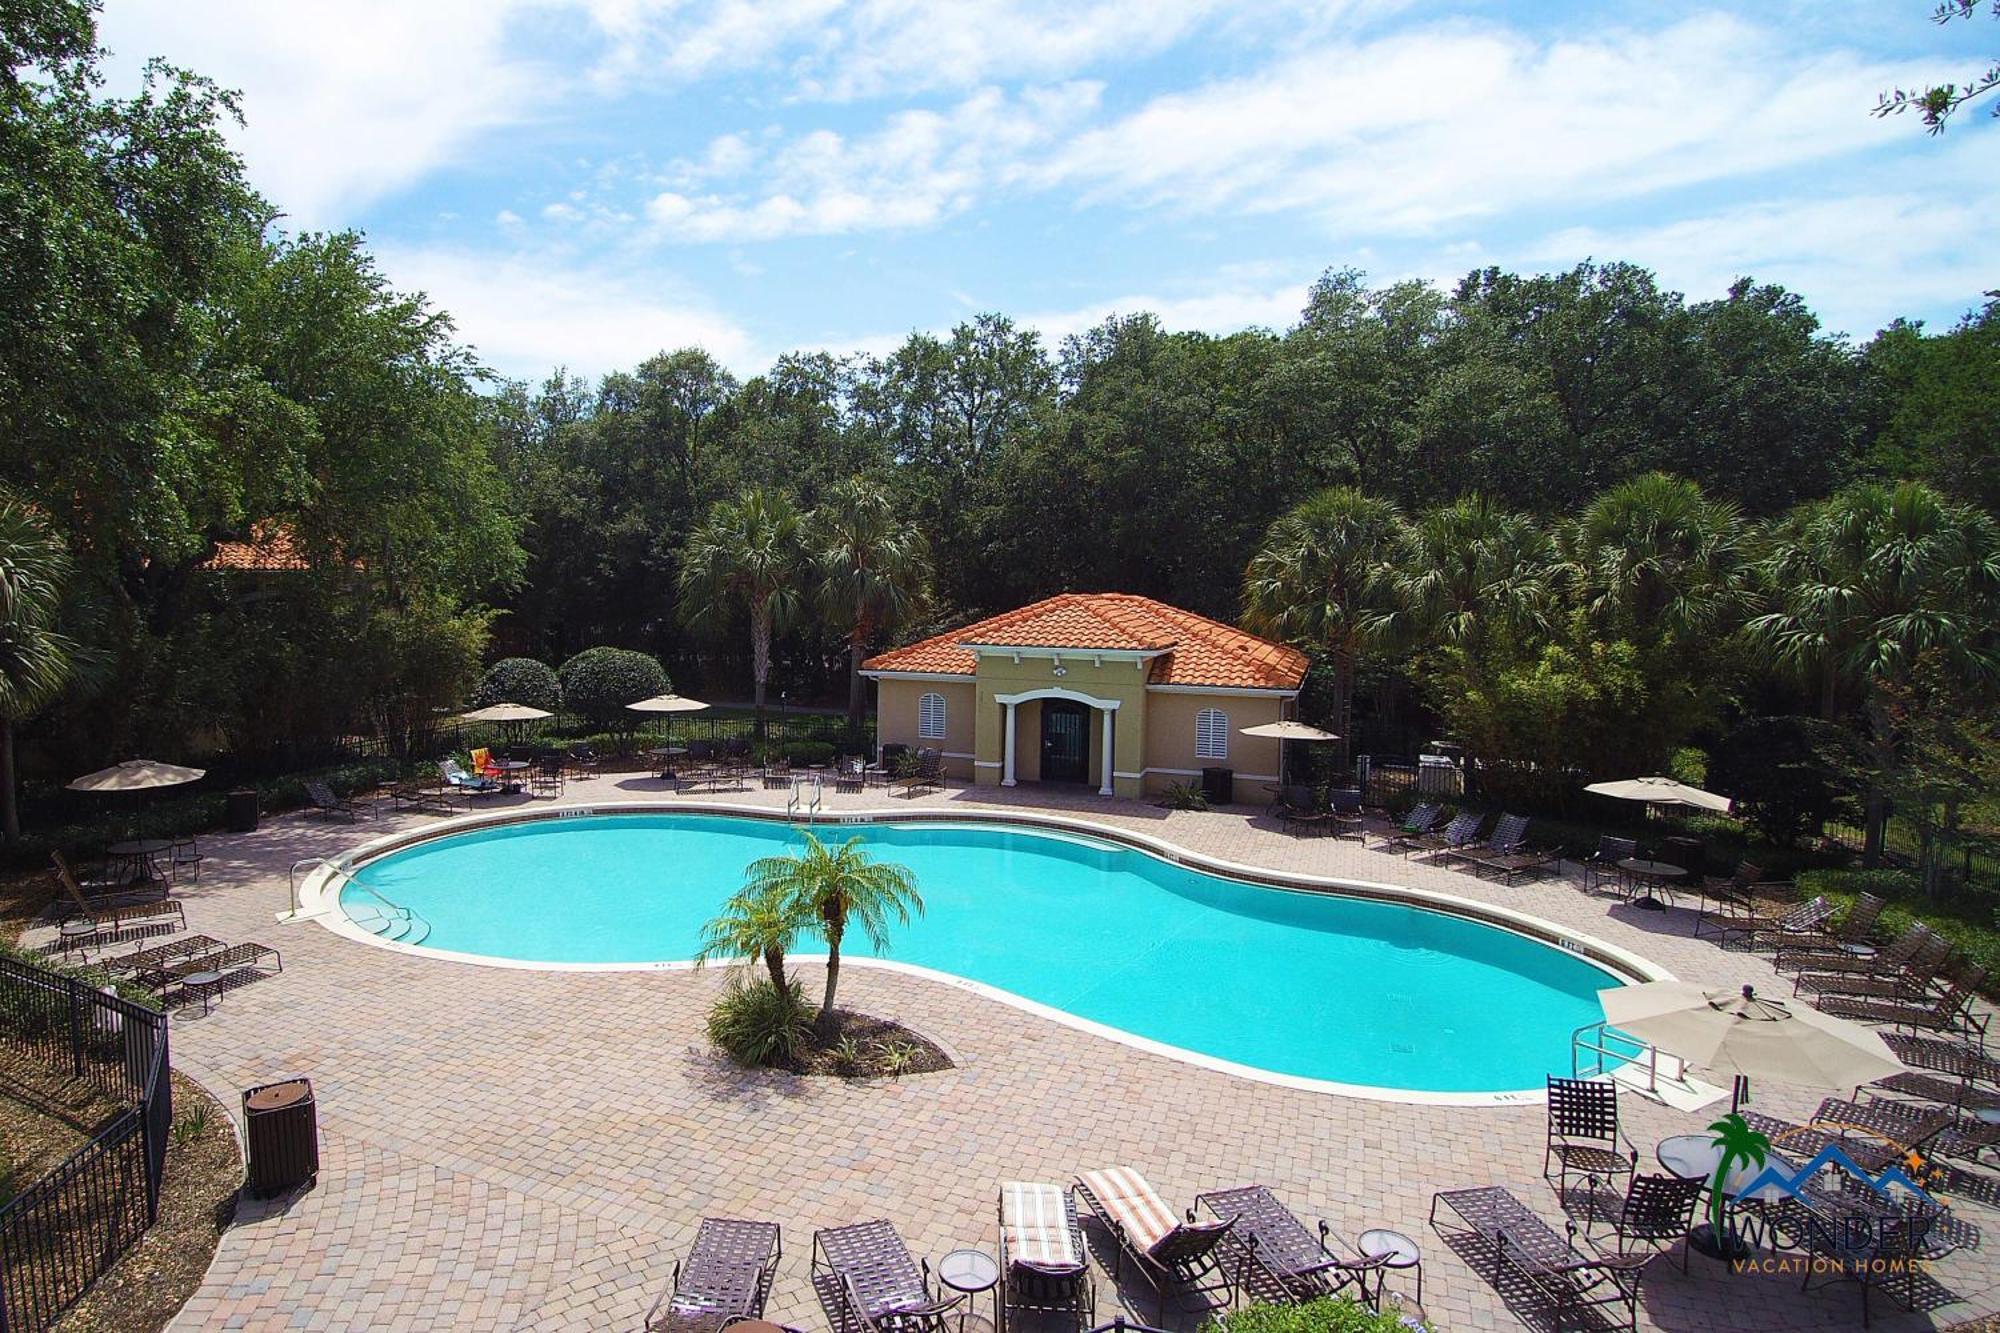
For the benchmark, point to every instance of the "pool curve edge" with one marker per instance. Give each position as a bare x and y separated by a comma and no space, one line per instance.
318,901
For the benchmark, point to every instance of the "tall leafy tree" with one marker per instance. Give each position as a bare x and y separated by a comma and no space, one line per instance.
749,556
873,571
37,660
759,922
1322,580
1466,570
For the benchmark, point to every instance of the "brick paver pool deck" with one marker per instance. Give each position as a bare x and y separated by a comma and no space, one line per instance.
508,1149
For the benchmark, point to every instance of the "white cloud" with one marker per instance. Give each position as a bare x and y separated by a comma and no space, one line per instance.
919,168
527,313
1859,259
346,100
1224,308
1459,120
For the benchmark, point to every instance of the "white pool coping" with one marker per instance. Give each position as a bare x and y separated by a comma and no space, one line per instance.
319,901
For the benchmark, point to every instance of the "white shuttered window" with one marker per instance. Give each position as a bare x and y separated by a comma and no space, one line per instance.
1211,734
930,717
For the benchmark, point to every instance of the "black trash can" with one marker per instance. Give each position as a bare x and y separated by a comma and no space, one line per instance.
1690,854
281,1126
1218,785
242,810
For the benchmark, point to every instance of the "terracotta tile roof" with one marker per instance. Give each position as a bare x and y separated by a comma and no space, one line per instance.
1194,649
270,548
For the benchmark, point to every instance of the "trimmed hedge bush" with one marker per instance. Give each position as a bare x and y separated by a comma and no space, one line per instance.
520,680
598,682
804,754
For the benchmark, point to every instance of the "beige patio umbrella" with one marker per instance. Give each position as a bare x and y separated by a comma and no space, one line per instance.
1738,1032
1288,730
668,703
1661,791
137,775
506,712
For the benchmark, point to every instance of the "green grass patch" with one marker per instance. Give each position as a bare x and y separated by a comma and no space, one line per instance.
1967,920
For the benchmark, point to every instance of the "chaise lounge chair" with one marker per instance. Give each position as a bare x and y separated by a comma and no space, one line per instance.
162,955
1044,1268
868,1282
148,911
321,801
237,965
726,1276
1572,1289
1944,1014
1464,827
1506,853
1907,970
1277,1260
1853,937
1421,820
1170,1252
1740,904
458,780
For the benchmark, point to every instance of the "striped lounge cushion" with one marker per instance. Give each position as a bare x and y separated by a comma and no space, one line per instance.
1034,1225
1129,1201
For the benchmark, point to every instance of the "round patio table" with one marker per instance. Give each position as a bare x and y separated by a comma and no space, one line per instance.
138,854
510,771
971,1272
1695,1157
202,983
1654,873
1396,1250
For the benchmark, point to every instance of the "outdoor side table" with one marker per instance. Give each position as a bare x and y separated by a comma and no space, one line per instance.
970,1272
1695,1157
1397,1251
203,984
77,934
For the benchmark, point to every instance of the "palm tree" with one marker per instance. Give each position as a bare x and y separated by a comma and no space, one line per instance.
1654,559
1864,584
874,570
1741,1145
831,886
37,662
1321,580
755,923
749,553
1463,570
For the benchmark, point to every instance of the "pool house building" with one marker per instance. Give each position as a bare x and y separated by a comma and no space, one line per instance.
1110,691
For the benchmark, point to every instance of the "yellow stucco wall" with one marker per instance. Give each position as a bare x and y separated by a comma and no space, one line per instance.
1170,736
1153,733
1108,679
896,719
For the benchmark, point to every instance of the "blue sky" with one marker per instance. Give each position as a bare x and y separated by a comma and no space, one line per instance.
587,183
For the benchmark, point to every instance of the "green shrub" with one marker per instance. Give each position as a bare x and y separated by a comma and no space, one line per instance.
598,682
520,680
755,1023
1789,775
1329,1314
804,754
1184,796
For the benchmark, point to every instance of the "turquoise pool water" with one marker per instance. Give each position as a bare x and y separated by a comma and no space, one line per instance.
1297,983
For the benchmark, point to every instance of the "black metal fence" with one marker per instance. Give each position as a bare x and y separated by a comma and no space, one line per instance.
1392,778
60,1233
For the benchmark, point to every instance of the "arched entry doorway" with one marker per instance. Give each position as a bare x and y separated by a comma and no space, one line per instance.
1065,749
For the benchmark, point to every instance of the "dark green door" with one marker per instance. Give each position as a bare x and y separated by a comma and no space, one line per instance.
1065,741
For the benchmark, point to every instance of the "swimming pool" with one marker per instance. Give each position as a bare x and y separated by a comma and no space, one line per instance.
1307,985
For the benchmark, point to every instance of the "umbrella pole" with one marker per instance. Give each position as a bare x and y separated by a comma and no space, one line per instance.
1740,1094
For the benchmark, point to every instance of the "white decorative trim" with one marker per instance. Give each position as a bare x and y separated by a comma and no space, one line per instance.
1058,692
1235,692
986,763
953,677
319,896
1195,773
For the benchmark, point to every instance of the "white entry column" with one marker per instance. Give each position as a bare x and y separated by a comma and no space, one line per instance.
1107,714
1007,765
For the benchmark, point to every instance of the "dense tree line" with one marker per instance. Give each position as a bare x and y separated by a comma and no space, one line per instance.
176,370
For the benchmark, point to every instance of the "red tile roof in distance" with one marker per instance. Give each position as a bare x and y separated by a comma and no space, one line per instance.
269,549
1195,650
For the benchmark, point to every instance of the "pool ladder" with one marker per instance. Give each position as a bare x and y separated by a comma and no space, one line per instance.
807,793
